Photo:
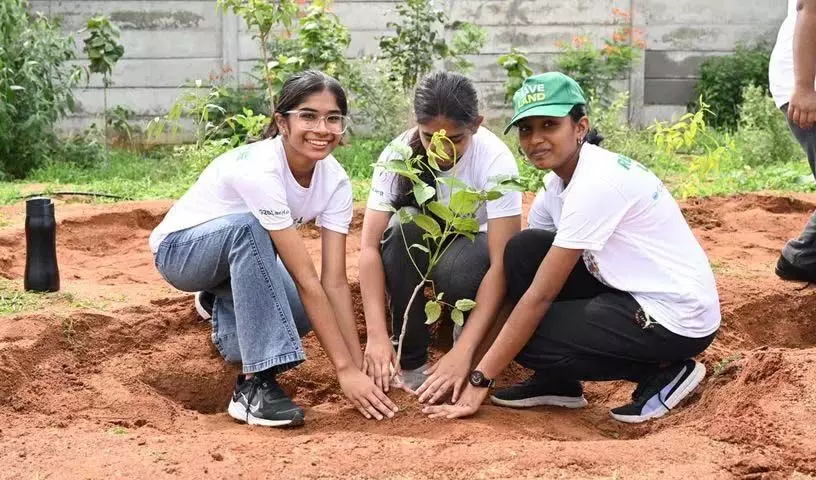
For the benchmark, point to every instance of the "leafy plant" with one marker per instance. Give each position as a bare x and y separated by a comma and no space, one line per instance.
515,64
104,50
458,217
763,135
724,78
36,78
418,42
682,135
595,69
263,16
119,120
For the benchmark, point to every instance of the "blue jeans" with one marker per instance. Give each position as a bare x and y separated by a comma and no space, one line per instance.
801,251
258,318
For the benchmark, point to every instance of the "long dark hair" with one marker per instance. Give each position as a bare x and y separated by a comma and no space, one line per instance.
440,94
300,86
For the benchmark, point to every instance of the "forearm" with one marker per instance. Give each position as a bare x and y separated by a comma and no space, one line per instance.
340,299
488,299
320,313
515,334
804,46
372,289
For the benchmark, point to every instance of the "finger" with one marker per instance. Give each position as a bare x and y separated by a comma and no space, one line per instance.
431,390
431,369
386,402
375,375
432,409
407,389
362,410
385,376
441,391
426,384
791,111
811,119
370,409
457,389
794,115
365,364
379,405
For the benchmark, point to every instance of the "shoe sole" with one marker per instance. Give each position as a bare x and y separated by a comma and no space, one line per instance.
239,413
684,390
544,400
200,308
788,277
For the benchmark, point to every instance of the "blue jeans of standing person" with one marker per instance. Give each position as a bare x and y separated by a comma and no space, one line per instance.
801,252
258,318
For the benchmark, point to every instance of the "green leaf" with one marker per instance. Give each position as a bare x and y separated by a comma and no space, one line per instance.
401,149
433,310
453,183
423,192
465,305
441,294
466,225
493,195
464,202
405,215
428,224
441,211
458,317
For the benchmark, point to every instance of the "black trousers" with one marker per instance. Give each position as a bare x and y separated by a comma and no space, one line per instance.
591,331
458,274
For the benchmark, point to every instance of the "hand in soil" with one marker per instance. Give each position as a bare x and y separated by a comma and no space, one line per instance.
468,404
378,361
450,372
364,395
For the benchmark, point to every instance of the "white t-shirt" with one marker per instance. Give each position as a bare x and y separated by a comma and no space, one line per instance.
486,158
634,238
780,72
256,178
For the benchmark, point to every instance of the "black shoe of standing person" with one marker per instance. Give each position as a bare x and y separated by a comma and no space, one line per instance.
204,302
788,271
537,390
260,401
658,395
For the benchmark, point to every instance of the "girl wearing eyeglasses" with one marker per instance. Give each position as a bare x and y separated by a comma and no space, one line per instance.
468,269
232,237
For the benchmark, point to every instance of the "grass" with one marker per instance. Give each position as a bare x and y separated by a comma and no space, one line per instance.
167,173
14,300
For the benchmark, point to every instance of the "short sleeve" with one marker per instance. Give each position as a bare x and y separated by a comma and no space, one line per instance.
263,192
338,214
541,215
384,185
503,165
590,215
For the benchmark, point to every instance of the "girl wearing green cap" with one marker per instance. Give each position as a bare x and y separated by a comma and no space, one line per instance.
468,269
609,282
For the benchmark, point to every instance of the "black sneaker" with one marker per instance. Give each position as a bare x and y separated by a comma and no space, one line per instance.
534,392
204,302
788,271
655,397
260,401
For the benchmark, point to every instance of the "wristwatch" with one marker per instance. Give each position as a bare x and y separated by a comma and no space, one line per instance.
477,379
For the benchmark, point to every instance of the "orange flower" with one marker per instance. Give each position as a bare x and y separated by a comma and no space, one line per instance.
620,13
579,41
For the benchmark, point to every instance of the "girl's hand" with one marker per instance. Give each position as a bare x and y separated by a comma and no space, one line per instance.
468,404
451,371
364,395
377,361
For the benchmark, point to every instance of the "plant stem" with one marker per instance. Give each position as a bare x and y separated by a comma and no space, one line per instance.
269,89
405,321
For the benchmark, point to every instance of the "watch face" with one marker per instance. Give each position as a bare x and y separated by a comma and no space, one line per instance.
476,378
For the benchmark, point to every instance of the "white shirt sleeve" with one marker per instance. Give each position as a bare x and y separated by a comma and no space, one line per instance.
384,185
337,217
263,191
503,164
540,216
591,213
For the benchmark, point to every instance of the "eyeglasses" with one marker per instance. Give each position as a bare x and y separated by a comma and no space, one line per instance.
309,120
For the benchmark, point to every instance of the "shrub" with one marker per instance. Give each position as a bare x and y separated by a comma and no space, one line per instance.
763,136
35,86
723,80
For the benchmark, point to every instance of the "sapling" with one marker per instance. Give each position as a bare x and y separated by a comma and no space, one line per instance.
440,222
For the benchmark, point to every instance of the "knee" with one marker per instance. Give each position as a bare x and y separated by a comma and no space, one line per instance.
518,248
392,241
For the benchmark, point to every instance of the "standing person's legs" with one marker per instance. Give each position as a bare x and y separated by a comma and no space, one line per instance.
233,257
798,259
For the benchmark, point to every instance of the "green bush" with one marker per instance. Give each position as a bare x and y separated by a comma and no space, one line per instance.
763,136
723,79
35,86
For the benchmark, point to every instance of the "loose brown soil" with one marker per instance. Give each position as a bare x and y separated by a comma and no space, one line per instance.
121,381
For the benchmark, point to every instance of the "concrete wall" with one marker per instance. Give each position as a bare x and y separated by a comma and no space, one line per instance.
171,42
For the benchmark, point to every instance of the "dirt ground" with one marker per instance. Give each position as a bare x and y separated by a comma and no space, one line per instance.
118,379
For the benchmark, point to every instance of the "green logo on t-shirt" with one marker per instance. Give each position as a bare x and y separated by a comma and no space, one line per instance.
627,163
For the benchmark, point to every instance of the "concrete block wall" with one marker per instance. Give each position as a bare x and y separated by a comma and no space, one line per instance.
170,43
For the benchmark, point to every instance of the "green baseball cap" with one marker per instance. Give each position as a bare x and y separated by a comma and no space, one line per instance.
551,94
